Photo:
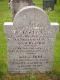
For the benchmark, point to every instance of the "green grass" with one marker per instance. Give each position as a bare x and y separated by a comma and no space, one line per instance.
5,16
54,16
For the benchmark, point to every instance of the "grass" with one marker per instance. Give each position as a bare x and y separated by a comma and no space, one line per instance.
30,76
5,16
55,17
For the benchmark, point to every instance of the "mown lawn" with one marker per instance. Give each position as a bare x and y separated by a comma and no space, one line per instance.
5,16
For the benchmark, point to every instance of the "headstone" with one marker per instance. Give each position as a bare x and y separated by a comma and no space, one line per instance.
16,5
48,4
31,39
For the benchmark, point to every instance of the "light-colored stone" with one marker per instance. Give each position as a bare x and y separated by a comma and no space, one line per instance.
31,39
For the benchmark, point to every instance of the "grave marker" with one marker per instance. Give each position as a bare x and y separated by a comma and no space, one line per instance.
16,5
48,4
30,41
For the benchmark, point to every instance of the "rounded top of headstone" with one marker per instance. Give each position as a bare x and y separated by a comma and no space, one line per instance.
31,16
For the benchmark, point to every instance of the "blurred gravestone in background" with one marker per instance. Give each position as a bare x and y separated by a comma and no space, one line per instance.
48,4
16,5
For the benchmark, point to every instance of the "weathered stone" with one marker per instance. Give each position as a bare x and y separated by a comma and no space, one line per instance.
16,5
31,41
